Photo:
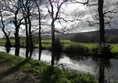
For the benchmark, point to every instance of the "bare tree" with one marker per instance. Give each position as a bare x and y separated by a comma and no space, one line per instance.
101,21
38,3
8,43
15,9
106,12
28,6
54,16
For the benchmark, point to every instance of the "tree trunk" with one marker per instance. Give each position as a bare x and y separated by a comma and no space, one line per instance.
17,42
53,42
101,73
30,37
27,38
101,21
8,43
40,44
17,26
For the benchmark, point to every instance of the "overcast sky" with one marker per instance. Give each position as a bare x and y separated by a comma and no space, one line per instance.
83,13
86,13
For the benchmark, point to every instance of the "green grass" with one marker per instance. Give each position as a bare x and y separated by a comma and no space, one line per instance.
45,73
114,48
47,44
89,45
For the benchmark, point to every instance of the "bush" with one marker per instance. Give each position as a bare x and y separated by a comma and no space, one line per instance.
104,49
58,46
76,49
75,77
54,75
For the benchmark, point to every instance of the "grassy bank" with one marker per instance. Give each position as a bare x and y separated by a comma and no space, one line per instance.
66,44
45,73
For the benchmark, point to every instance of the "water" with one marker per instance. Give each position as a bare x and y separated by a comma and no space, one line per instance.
79,63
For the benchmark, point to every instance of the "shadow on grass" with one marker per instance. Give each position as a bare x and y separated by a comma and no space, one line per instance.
13,69
27,79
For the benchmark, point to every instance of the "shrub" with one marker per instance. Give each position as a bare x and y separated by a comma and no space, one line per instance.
58,46
104,49
76,49
75,77
54,75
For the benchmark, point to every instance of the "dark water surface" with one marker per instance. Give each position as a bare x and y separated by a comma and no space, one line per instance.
85,64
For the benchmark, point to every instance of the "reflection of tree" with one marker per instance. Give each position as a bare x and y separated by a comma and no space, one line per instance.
77,57
102,63
8,49
58,56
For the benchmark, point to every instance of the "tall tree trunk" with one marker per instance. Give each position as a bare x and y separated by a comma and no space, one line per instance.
17,42
40,44
30,37
53,42
17,26
27,38
101,21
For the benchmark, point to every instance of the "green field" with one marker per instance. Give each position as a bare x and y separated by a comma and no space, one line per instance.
65,43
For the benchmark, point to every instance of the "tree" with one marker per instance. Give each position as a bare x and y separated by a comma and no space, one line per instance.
103,17
54,16
28,7
8,43
101,21
38,3
26,16
17,22
14,7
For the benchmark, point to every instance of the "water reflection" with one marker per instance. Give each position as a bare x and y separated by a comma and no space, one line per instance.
56,58
7,49
103,64
17,48
101,68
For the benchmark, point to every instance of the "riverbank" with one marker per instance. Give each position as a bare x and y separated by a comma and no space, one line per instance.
46,44
41,71
10,73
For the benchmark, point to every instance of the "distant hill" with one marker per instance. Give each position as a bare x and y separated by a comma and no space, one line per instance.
111,35
62,36
92,36
108,32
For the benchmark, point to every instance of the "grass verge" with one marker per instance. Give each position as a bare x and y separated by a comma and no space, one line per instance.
46,73
66,43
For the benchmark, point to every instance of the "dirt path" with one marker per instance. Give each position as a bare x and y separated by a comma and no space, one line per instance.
10,74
